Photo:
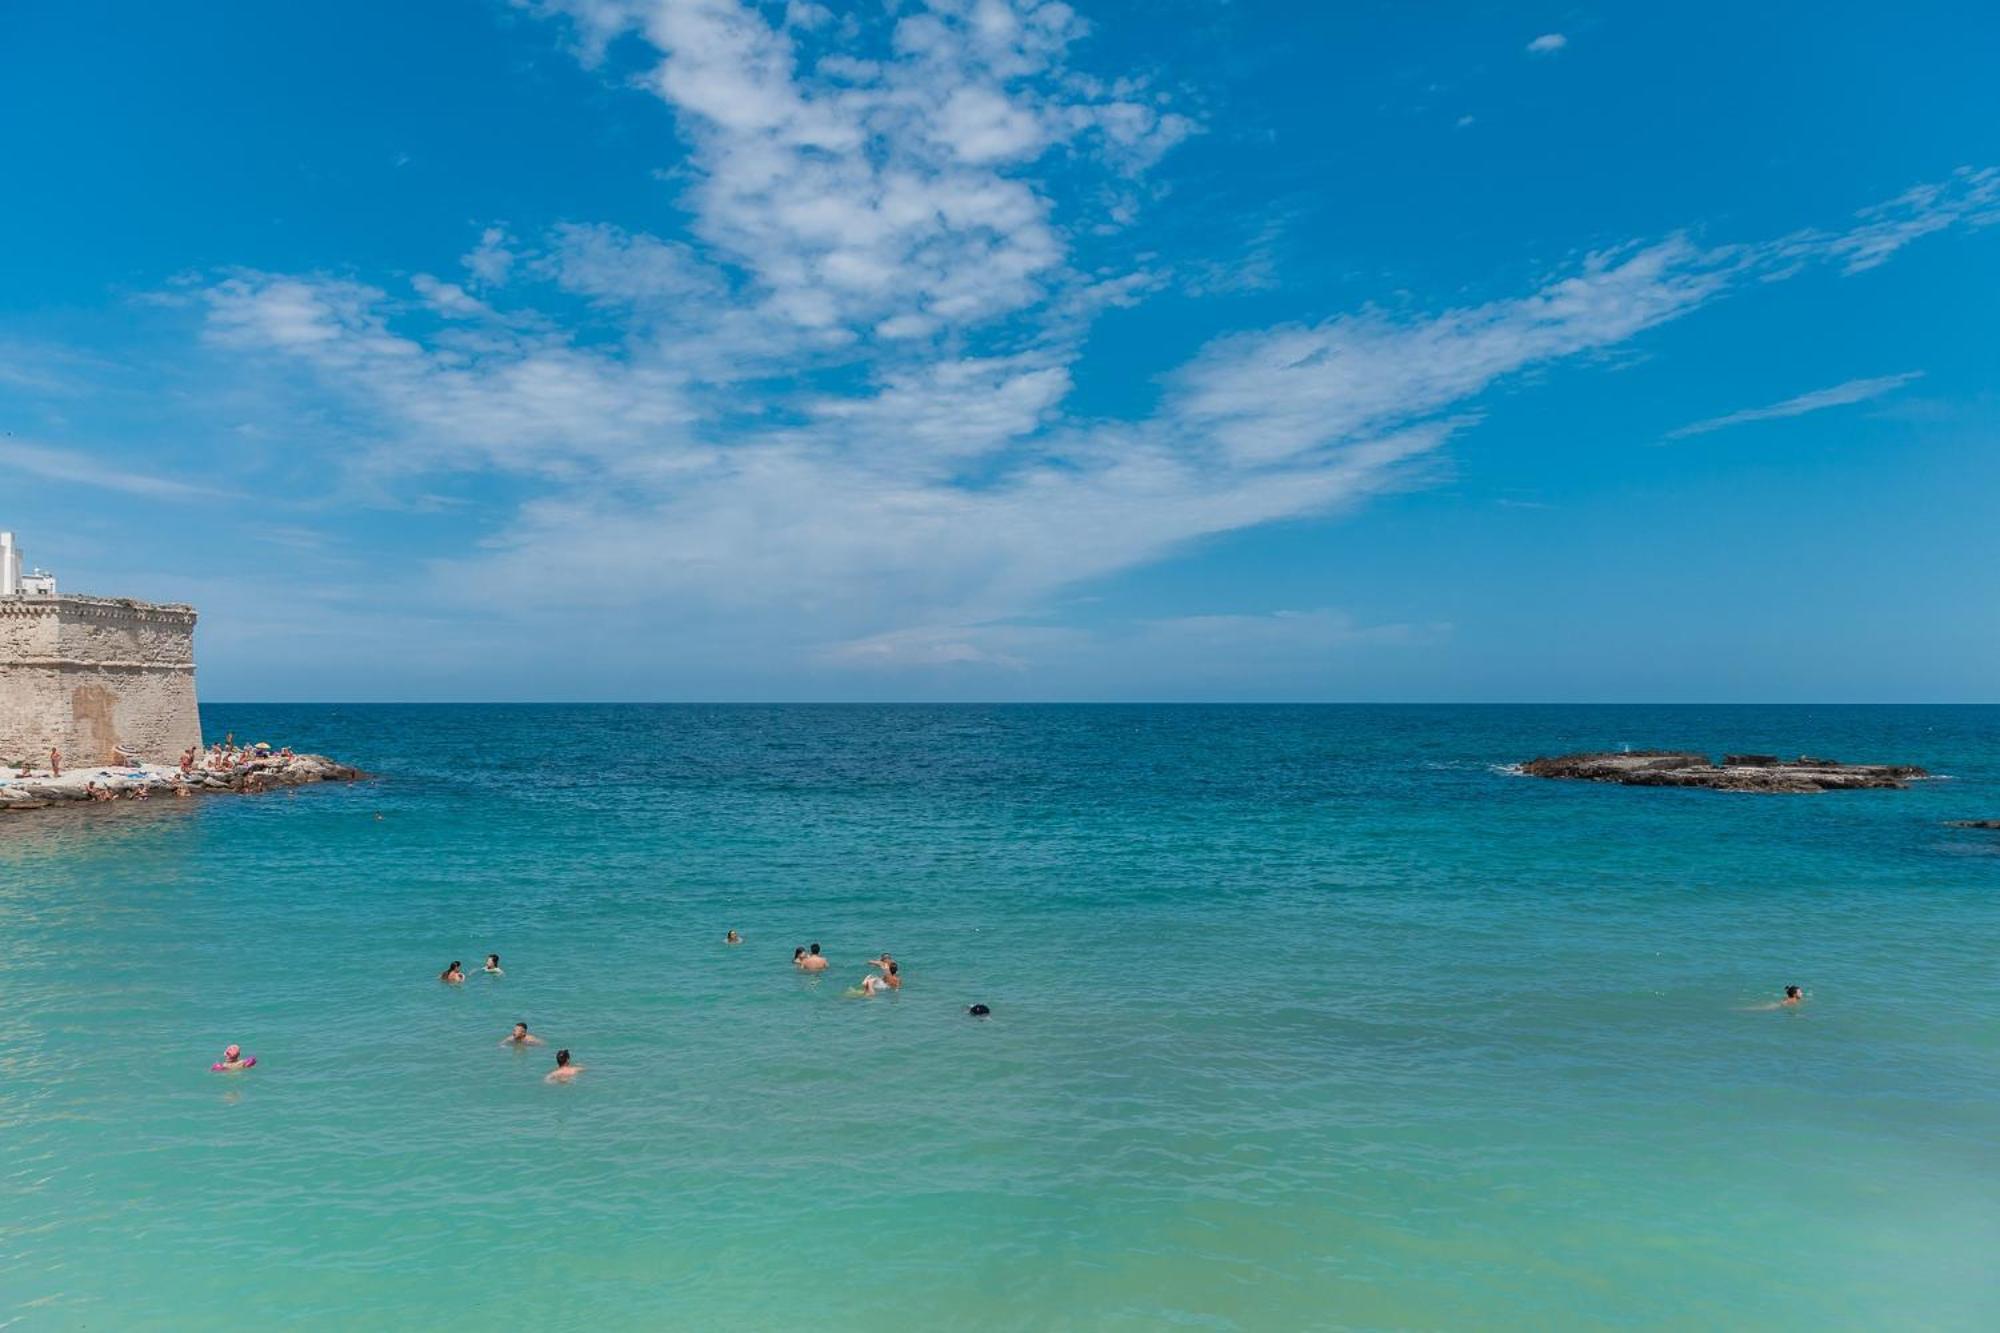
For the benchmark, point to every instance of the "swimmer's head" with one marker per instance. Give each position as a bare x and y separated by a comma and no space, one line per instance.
562,1057
455,965
520,1029
492,960
979,1011
798,953
1791,992
815,949
231,1051
731,937
892,970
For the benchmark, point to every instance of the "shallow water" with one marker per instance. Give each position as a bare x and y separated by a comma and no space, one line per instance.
1303,1018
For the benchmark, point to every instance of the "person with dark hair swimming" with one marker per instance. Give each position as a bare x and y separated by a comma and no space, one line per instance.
493,965
732,938
888,981
1793,998
978,1011
799,956
564,1070
813,962
452,975
520,1036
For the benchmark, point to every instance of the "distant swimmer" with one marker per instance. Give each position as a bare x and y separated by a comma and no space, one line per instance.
1794,997
452,975
884,962
564,1070
233,1060
799,956
520,1036
493,965
732,938
876,985
978,1010
813,962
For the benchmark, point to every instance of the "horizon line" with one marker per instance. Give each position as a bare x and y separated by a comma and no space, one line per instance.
1099,703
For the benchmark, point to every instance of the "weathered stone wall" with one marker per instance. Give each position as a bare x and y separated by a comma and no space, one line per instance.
87,673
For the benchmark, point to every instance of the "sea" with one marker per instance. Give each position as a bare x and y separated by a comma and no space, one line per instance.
1300,1018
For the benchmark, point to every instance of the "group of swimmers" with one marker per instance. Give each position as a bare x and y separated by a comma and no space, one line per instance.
807,958
886,977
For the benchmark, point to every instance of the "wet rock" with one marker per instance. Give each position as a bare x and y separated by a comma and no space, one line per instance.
1751,773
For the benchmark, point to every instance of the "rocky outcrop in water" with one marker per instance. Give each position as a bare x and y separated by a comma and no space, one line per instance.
154,781
1972,823
1736,772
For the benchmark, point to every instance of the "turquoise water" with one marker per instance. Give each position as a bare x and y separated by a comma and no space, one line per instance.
1302,1018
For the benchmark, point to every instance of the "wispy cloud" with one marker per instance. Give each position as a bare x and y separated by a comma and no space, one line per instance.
838,411
1840,395
62,465
1547,44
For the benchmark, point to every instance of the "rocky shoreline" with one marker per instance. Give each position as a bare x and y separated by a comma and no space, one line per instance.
152,781
1736,772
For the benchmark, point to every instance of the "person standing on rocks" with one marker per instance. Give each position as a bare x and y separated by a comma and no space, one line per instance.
55,762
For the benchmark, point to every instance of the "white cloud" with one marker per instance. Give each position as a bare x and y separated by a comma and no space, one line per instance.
1240,648
491,259
940,493
1547,44
1280,393
837,414
1970,198
62,465
1840,395
449,299
862,192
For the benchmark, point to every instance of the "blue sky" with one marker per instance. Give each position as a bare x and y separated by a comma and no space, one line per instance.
702,349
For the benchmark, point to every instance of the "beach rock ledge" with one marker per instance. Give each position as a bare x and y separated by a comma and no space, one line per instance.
38,791
1736,772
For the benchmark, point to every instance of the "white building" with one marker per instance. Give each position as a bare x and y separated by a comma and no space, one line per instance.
13,583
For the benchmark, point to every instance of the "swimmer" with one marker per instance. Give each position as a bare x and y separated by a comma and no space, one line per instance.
564,1070
978,1010
813,962
732,938
888,981
492,968
1794,997
799,956
452,975
883,962
233,1060
520,1036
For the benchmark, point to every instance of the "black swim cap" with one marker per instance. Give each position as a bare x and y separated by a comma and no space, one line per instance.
979,1011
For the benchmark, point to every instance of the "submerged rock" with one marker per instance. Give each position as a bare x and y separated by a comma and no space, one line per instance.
1972,823
1736,772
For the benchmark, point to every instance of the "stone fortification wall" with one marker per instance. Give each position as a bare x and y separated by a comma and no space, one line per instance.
87,673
